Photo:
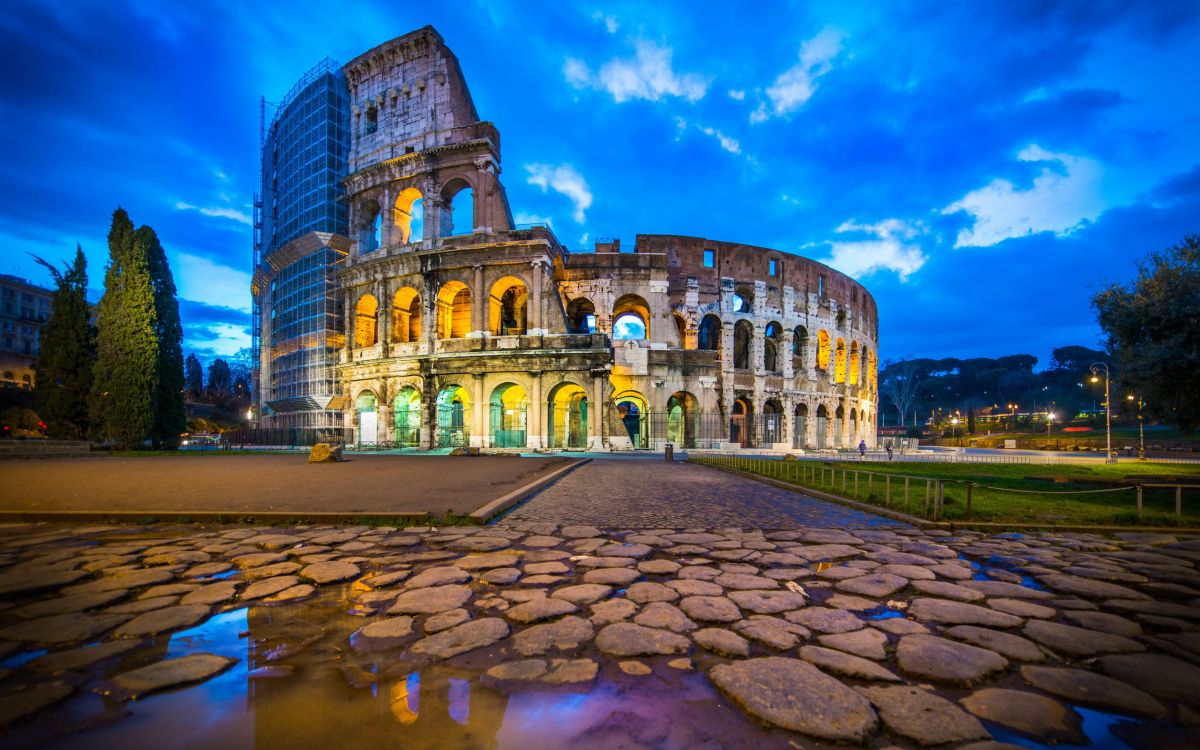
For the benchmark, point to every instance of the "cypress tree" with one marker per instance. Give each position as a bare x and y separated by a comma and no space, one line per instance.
125,381
169,416
68,352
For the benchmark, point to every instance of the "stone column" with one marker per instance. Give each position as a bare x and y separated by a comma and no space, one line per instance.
383,318
428,412
596,413
535,432
480,429
350,328
388,235
758,349
534,327
479,305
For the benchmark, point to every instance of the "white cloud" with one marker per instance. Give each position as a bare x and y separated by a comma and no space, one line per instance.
648,75
797,84
524,217
737,94
891,249
562,178
1063,198
221,212
200,279
222,339
727,143
610,22
583,239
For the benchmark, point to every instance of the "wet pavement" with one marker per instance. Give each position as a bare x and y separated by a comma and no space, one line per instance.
539,635
630,493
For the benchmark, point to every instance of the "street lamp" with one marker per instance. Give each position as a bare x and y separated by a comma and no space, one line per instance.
1141,427
1096,368
1012,408
954,429
1049,420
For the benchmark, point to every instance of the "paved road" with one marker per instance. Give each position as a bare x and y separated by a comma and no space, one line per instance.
652,494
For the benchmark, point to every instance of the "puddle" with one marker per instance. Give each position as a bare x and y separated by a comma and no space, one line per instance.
983,572
1099,727
882,612
219,576
21,659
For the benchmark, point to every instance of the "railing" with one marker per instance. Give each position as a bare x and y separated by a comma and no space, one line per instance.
1002,458
922,496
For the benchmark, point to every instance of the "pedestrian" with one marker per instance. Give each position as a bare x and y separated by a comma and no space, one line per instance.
862,448
888,446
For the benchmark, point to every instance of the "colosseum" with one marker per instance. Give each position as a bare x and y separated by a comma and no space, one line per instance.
464,330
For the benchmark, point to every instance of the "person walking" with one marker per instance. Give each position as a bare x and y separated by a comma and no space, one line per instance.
862,448
888,446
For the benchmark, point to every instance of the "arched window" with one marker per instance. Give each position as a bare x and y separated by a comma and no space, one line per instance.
855,364
568,422
772,422
368,419
680,329
743,301
631,407
709,337
771,345
839,367
370,232
743,334
581,315
458,208
507,305
823,349
682,416
453,403
822,426
410,216
800,426
453,310
406,316
406,410
366,313
508,416
631,318
799,347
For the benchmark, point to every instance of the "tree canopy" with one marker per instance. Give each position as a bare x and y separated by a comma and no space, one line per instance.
1153,330
68,352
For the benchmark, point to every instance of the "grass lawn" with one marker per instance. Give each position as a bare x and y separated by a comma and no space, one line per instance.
1015,493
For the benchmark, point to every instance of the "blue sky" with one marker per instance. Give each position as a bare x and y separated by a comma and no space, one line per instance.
983,168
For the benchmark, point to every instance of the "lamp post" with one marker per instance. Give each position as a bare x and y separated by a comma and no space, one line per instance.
1049,420
1096,368
1012,408
1141,428
954,428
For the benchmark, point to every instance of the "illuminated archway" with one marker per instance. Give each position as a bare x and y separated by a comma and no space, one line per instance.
823,349
709,335
366,321
453,310
581,315
680,329
406,316
406,416
410,216
632,409
507,307
458,208
799,348
855,364
631,318
368,419
453,408
839,421
741,422
568,416
508,405
370,227
742,301
822,426
853,428
682,418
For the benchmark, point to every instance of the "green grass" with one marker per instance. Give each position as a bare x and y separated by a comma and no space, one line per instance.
1003,493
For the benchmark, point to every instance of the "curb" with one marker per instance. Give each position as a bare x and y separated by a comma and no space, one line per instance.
200,516
952,525
503,503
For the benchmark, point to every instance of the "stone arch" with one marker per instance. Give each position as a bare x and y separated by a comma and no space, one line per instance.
410,216
370,226
629,308
709,335
453,408
368,419
772,339
822,426
406,417
839,419
853,428
823,349
457,207
508,303
633,410
743,336
772,421
683,415
742,300
740,421
453,310
567,416
366,321
509,406
799,348
680,329
839,365
406,316
800,426
581,315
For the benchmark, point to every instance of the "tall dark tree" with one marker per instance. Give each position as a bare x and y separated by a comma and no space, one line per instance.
193,376
1153,330
169,417
125,380
220,381
68,352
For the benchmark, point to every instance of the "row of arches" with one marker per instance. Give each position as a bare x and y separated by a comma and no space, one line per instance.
456,216
851,365
507,417
508,309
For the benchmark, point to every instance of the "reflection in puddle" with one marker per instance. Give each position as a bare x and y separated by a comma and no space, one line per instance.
21,659
1097,726
984,572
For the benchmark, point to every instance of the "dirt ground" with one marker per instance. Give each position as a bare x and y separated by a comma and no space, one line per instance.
258,484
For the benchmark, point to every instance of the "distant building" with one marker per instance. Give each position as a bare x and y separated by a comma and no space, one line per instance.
24,309
299,234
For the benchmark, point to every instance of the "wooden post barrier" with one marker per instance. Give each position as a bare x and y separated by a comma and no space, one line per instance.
1139,503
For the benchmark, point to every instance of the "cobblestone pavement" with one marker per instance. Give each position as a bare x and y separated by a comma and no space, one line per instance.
536,635
644,494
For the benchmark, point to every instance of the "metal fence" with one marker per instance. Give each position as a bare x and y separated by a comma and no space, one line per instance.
286,437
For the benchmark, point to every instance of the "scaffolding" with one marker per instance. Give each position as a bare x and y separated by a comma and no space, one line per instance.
298,218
